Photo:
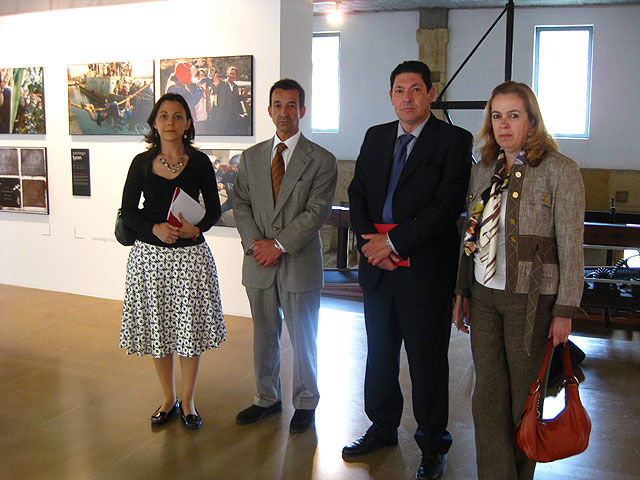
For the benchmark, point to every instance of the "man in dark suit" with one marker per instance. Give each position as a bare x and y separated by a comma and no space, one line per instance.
229,113
418,182
281,199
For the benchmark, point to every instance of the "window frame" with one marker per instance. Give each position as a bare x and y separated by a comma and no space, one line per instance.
328,34
536,64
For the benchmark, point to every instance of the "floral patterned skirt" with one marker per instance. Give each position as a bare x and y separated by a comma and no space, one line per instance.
172,301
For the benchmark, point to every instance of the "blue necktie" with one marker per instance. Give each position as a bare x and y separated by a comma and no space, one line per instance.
396,169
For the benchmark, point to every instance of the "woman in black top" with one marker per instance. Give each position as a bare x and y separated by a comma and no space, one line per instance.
172,300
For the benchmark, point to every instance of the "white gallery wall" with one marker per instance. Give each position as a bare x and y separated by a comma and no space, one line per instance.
372,44
614,141
73,249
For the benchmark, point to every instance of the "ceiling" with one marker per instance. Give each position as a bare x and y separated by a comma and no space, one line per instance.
359,6
12,7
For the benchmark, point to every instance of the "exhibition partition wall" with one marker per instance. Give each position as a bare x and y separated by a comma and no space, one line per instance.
72,249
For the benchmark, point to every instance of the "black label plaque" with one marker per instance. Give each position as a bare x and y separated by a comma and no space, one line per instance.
80,177
9,192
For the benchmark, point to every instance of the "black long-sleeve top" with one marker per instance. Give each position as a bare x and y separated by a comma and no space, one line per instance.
197,177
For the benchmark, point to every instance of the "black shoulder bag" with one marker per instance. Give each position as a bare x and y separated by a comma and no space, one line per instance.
126,235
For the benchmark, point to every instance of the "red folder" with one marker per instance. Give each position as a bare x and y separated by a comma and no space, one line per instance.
384,228
171,218
191,210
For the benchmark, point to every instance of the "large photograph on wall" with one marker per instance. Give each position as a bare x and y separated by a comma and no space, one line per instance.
218,90
110,98
225,164
22,100
23,180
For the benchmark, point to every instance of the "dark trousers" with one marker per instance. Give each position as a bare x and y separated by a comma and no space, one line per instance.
391,317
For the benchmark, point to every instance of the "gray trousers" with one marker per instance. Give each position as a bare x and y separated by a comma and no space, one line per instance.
300,311
503,374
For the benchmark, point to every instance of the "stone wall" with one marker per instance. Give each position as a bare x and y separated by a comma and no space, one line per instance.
602,185
432,38
432,43
329,234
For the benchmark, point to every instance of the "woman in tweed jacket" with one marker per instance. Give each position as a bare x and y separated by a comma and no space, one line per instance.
521,268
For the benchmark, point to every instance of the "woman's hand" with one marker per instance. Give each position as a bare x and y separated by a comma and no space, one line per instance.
187,230
166,232
461,317
560,330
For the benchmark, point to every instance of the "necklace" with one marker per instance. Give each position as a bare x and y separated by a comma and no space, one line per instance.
173,169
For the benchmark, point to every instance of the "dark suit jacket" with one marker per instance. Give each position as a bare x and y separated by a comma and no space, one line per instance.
427,203
227,117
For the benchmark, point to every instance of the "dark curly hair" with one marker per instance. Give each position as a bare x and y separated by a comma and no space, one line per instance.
153,139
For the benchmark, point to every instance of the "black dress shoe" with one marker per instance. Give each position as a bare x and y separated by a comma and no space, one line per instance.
191,420
160,418
255,413
432,466
369,442
301,421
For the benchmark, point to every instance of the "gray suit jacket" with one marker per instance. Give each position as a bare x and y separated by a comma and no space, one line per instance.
304,204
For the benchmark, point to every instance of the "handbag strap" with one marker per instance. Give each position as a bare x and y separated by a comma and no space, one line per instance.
566,365
566,362
535,386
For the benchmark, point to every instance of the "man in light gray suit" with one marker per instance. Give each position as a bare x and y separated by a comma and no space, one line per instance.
282,196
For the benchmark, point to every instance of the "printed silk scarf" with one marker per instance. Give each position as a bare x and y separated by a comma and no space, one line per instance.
482,227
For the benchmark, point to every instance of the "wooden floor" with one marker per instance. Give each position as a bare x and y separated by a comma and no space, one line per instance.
75,406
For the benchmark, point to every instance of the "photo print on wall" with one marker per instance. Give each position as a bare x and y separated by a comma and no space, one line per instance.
110,98
23,180
217,89
22,100
225,165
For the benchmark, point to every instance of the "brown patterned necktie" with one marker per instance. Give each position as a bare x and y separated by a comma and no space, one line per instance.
277,171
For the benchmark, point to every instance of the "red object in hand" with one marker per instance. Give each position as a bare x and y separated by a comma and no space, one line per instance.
385,228
171,218
565,435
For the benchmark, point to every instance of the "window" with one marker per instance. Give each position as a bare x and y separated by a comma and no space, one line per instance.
325,82
562,78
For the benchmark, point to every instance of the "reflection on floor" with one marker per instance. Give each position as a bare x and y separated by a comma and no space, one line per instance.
75,406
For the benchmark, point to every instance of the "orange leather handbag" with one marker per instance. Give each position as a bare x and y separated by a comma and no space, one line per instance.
563,436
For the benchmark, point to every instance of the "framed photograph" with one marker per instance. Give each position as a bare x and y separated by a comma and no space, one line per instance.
23,180
225,164
110,98
217,89
22,100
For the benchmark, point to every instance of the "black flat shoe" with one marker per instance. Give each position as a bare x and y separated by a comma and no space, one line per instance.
367,443
160,418
302,421
432,466
255,413
191,420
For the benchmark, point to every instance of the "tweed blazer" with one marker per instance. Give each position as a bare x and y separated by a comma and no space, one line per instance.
544,224
304,204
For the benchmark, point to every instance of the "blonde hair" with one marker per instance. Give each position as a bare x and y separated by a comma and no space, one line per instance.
539,142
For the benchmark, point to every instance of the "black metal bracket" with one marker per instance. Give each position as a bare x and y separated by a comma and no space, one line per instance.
508,66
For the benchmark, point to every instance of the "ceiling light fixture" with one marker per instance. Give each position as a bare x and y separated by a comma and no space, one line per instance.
335,16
